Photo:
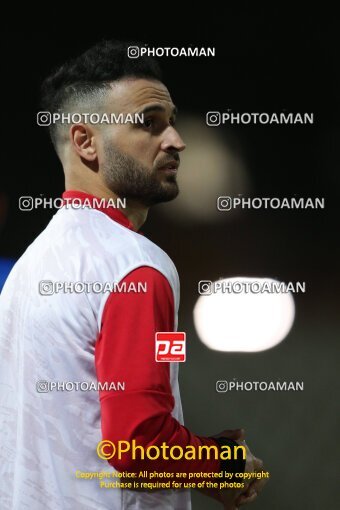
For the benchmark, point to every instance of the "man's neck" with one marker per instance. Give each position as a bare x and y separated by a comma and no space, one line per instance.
135,212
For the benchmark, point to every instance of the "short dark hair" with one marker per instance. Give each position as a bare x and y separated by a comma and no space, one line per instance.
83,78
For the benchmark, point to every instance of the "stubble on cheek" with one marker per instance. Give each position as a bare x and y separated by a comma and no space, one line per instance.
129,178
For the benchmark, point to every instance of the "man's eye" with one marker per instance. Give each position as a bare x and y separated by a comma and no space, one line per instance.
147,122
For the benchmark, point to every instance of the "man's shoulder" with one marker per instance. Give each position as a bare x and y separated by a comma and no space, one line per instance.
87,238
106,237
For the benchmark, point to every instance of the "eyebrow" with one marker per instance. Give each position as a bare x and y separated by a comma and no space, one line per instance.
157,108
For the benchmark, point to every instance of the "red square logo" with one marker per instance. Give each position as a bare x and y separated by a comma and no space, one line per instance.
170,346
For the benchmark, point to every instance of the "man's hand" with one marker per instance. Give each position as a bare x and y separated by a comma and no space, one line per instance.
233,498
235,434
253,465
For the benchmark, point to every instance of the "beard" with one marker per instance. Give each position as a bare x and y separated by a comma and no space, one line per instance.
129,179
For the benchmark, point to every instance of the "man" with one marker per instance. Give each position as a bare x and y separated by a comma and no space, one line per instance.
108,337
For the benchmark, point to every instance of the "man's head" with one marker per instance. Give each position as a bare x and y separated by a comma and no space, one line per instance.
131,159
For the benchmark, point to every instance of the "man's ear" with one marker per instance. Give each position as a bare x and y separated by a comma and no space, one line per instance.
83,141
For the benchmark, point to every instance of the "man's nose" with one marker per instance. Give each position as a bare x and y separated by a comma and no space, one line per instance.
172,140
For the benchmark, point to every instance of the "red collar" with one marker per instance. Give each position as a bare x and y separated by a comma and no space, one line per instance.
114,214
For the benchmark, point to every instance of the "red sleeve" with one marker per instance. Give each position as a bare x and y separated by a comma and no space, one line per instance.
125,352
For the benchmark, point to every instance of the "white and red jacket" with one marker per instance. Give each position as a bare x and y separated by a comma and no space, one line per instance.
88,337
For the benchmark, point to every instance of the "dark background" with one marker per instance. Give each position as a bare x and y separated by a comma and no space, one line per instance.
265,61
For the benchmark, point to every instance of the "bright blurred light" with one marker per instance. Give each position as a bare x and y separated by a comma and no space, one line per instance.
246,322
